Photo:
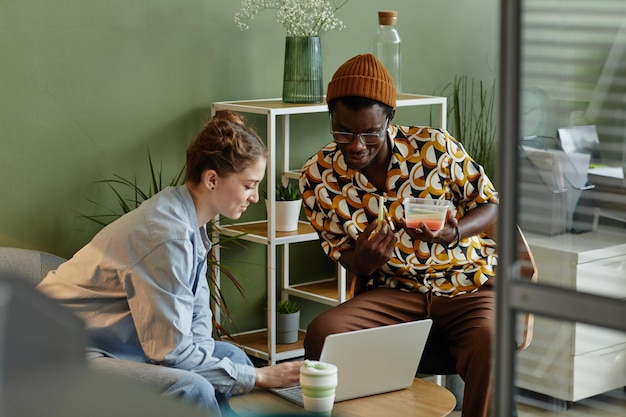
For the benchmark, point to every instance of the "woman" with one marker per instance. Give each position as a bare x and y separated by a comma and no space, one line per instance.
140,284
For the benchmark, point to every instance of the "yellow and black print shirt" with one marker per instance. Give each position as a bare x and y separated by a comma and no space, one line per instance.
426,162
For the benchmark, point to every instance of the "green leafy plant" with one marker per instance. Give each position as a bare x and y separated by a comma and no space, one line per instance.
287,192
130,194
471,118
287,307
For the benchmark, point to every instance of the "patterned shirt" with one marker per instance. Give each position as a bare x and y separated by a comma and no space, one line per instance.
340,202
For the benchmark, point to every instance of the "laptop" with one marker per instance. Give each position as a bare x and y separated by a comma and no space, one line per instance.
371,361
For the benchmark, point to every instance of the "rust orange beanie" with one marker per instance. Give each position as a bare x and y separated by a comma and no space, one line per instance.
363,76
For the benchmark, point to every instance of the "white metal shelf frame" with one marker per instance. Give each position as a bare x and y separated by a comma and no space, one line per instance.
273,109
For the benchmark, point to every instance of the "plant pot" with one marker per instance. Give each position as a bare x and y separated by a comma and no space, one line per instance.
287,215
287,327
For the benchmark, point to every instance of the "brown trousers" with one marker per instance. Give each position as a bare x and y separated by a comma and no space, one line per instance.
465,321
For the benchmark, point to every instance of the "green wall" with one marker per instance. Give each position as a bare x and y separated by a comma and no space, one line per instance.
87,87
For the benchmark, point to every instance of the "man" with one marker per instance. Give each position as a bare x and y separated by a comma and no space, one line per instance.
408,274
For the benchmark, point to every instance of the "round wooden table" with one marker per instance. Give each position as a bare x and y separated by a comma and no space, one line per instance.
423,399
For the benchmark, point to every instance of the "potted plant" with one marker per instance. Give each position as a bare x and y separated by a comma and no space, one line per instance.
287,321
287,206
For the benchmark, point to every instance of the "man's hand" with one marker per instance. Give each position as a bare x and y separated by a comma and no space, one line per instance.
276,376
372,249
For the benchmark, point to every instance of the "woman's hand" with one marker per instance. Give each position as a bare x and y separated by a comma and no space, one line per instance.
277,376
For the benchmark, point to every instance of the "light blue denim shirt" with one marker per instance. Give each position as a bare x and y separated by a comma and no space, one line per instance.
140,286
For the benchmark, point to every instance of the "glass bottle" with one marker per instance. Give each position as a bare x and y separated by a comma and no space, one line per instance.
387,45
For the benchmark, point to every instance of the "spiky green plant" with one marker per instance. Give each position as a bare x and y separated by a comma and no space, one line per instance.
287,192
130,194
471,118
121,186
287,307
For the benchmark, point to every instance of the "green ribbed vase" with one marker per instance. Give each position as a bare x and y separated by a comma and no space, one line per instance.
302,76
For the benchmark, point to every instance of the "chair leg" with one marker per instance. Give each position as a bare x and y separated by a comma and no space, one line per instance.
440,380
456,385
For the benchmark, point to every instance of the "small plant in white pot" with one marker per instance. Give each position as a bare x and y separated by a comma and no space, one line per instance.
287,321
288,204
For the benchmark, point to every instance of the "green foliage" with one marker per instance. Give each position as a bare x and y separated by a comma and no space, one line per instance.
287,192
471,118
130,195
122,186
287,307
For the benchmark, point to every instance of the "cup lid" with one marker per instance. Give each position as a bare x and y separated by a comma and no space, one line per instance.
318,368
427,201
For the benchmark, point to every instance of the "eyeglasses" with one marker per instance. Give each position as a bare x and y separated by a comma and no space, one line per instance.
369,138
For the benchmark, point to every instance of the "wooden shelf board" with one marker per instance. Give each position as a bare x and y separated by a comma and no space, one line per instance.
257,340
322,288
257,231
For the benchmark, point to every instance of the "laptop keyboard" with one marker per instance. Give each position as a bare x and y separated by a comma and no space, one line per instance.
293,394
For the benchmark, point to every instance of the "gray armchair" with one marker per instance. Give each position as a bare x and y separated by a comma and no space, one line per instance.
42,354
27,264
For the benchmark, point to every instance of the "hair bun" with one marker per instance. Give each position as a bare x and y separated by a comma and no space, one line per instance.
228,116
225,145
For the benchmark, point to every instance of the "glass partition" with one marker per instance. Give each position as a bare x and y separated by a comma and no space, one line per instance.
571,369
562,160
